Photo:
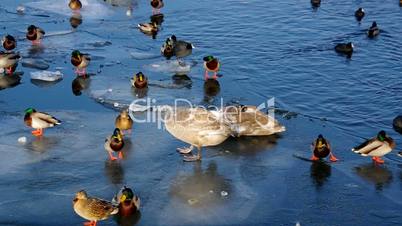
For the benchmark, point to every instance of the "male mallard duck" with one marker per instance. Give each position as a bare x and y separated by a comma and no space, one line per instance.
127,202
8,42
39,121
115,143
321,149
211,64
9,61
345,48
316,3
167,48
156,5
35,34
148,27
196,126
123,121
359,14
80,61
376,147
92,209
139,81
249,121
75,5
373,30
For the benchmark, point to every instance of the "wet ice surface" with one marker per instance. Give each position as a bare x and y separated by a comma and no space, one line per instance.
260,179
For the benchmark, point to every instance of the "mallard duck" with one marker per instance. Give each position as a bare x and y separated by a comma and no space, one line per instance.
156,5
39,121
80,61
75,20
373,30
397,124
75,5
321,149
181,48
139,81
167,48
359,14
345,48
93,209
196,126
211,64
35,34
148,27
9,61
127,202
9,42
376,147
315,3
249,121
115,143
124,121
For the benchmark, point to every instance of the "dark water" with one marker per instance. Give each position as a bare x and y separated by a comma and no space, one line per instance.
268,49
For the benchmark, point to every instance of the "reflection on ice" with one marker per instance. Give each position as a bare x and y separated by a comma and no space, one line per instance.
380,176
114,171
320,171
8,81
171,66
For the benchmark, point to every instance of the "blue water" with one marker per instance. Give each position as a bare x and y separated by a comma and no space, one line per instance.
267,49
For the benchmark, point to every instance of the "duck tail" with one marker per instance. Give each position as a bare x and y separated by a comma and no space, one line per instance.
115,211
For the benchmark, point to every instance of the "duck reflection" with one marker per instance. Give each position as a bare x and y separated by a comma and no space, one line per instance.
211,89
130,220
315,4
44,84
8,81
139,93
320,171
42,144
36,50
380,176
75,20
202,188
122,3
249,145
181,80
114,172
79,84
157,18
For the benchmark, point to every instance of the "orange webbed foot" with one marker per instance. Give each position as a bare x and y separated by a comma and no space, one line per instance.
120,155
332,158
112,157
378,160
313,158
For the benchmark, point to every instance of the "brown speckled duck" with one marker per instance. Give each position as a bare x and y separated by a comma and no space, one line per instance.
123,121
93,209
35,34
75,5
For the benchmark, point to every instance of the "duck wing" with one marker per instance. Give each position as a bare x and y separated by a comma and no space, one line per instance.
368,146
100,209
47,118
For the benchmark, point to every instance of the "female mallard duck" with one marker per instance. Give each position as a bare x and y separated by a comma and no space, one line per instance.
39,121
139,81
345,48
359,14
321,149
249,121
196,126
9,61
9,42
123,121
75,5
373,30
156,5
167,49
148,27
211,64
35,34
93,209
127,202
376,147
115,143
80,61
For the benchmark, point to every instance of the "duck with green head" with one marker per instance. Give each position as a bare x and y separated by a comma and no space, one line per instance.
139,81
376,147
211,64
35,34
127,202
115,143
9,43
80,61
322,149
39,121
167,49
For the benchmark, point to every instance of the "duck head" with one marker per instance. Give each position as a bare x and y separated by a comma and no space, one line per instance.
140,77
8,42
126,195
80,195
117,135
320,141
208,58
29,111
381,135
374,24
